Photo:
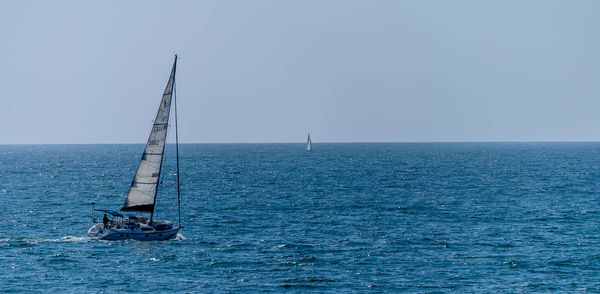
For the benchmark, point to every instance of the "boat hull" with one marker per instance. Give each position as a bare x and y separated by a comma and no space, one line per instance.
98,231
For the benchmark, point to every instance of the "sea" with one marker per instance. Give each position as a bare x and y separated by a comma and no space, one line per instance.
342,218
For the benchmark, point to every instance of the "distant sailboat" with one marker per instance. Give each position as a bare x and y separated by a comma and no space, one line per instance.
308,143
144,187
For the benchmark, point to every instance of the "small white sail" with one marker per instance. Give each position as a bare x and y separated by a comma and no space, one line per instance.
308,143
142,193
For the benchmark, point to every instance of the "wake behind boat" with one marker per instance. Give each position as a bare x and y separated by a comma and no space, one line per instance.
144,187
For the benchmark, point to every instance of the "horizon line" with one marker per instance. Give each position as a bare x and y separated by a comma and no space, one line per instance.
321,142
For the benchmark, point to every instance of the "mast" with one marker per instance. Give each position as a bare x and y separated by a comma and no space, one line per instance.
177,152
174,70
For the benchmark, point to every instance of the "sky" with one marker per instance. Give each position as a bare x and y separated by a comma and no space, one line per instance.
78,72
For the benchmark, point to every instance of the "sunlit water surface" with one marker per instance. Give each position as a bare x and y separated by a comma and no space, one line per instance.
490,217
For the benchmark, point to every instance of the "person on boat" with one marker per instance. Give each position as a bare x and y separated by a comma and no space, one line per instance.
105,220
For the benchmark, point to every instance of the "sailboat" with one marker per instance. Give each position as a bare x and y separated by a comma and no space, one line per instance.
144,187
308,143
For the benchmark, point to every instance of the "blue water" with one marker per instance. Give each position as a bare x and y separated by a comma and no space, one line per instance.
431,217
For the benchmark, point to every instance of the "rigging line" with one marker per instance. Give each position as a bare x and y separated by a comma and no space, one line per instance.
177,150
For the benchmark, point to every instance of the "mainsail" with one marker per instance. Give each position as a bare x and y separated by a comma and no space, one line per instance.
142,193
308,143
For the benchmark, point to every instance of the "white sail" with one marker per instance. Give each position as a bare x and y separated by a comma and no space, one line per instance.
142,193
308,143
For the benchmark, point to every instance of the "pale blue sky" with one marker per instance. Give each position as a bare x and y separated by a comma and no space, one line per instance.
269,71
